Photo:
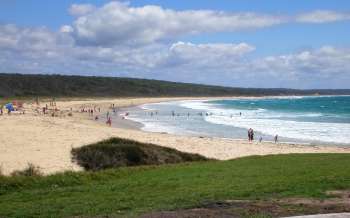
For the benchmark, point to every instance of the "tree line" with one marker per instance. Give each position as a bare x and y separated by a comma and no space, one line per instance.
29,85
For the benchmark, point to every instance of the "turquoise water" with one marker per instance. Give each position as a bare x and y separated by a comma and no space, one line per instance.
321,120
333,109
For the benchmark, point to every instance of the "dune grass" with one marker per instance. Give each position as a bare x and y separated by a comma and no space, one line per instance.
136,190
118,152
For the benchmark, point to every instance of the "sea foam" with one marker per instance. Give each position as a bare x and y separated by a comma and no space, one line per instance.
268,122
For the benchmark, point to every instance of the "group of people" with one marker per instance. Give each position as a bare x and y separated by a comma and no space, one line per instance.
14,106
188,114
251,136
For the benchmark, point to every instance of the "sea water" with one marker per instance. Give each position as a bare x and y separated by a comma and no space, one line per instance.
307,119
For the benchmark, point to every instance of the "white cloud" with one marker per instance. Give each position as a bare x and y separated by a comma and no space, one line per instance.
216,49
8,36
205,55
81,9
120,40
41,50
117,22
322,16
66,29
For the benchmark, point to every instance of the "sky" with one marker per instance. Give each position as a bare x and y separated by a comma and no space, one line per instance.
241,43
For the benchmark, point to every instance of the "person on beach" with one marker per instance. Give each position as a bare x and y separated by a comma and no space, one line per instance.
260,139
276,138
109,122
250,134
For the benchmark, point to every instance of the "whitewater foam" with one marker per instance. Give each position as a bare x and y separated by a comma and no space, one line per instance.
298,126
267,122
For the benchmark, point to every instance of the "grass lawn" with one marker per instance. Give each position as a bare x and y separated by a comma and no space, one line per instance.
137,190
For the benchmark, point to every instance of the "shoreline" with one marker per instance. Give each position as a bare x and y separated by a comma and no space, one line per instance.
137,125
47,141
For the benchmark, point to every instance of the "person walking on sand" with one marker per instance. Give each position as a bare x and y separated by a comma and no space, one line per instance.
276,138
109,122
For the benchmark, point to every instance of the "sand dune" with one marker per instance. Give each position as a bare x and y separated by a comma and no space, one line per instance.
46,141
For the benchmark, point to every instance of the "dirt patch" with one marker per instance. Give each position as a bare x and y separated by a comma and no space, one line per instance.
338,202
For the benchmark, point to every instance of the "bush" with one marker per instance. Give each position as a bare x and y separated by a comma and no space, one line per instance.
118,152
30,170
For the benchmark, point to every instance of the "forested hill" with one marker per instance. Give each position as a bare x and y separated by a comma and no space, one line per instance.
19,85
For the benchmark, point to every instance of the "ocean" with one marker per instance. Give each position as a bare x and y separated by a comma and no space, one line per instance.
306,119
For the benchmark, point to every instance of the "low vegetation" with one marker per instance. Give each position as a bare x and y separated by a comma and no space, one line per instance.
30,170
131,191
19,85
117,152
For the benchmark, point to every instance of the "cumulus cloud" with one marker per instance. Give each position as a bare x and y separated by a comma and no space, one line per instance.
205,55
322,16
41,50
66,29
214,49
119,40
81,9
117,22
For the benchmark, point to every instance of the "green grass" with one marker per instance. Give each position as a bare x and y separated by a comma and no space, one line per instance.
118,152
136,190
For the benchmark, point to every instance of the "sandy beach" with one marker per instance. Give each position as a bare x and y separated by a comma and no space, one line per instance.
46,141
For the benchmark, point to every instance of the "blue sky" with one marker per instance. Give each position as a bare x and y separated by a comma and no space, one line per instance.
290,44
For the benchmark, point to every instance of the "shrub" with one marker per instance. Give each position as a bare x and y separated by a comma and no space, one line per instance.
118,152
30,170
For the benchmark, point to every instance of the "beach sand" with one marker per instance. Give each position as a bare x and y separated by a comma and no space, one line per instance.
46,141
